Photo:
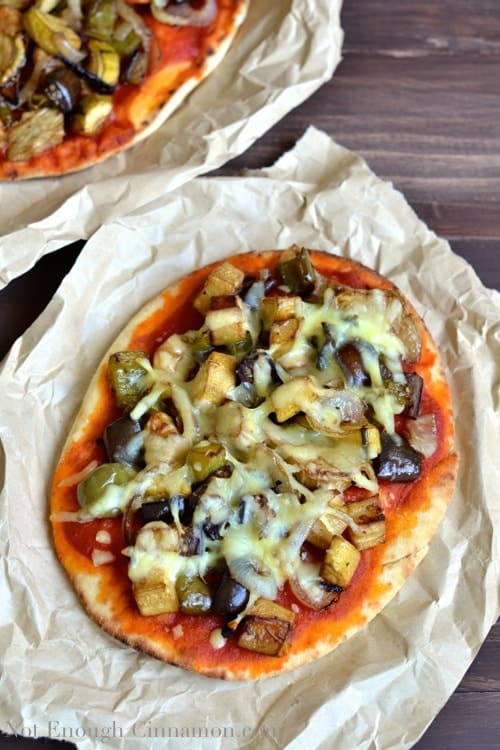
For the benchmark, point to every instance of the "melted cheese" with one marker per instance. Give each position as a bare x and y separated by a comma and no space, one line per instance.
284,475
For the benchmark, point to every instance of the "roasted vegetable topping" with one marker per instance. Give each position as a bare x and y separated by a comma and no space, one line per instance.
129,377
246,454
35,132
70,57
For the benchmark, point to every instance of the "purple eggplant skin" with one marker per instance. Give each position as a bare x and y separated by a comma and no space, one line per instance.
415,384
351,363
157,510
230,598
121,445
398,461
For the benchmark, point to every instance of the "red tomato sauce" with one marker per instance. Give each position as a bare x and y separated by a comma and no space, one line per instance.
190,644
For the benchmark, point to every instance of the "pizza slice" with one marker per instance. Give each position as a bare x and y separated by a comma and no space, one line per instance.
83,79
259,463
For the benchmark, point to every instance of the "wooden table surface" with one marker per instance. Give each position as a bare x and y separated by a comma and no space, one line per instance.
418,95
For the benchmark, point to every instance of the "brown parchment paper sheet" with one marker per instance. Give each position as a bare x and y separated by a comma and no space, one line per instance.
64,677
285,50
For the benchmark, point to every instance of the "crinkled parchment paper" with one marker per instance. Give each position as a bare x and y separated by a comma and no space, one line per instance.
61,675
285,50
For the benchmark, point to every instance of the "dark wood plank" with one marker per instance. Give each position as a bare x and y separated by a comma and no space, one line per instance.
469,721
484,673
412,28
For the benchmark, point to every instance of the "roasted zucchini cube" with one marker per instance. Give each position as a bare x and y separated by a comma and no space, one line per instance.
224,280
227,325
215,378
292,397
366,510
267,628
324,529
369,535
282,336
155,595
340,562
278,309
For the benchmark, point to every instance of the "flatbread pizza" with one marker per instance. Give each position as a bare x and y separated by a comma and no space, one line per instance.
259,463
81,80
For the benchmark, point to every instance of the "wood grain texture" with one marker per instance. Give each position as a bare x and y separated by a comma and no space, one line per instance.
418,96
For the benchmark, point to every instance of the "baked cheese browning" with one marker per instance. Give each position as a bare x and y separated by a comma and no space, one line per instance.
243,441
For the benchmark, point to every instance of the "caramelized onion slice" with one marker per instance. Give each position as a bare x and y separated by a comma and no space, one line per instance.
309,588
183,14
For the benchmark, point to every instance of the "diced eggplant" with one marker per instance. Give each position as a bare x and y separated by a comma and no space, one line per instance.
212,530
63,88
95,83
324,529
351,363
215,378
340,562
267,628
398,461
231,597
155,594
369,535
415,385
157,510
122,443
366,510
227,325
225,279
276,309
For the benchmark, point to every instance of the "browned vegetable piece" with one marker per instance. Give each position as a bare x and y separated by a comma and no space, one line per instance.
137,68
224,280
94,111
155,594
324,529
12,56
282,335
63,88
370,517
415,385
215,378
398,461
267,628
340,563
34,133
406,329
369,535
366,510
47,30
227,325
104,62
277,309
351,363
11,20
